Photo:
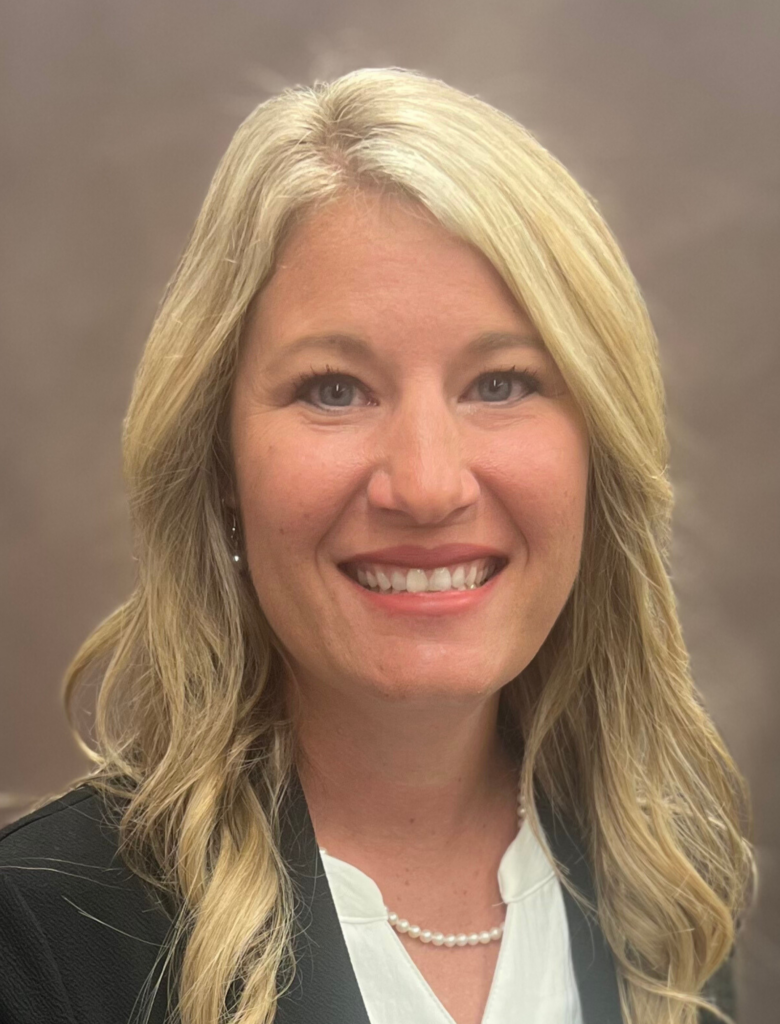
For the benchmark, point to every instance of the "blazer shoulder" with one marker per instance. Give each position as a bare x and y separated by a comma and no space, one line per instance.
82,932
76,832
52,819
70,847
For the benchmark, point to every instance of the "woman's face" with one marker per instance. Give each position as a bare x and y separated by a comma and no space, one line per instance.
442,421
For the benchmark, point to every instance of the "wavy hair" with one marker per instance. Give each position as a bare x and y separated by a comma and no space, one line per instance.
191,727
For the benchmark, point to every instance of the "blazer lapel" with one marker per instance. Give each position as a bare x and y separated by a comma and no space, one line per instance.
324,989
594,966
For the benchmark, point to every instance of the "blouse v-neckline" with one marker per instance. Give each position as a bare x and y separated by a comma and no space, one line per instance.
534,967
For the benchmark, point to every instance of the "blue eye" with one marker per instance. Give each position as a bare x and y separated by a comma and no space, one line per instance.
339,387
499,384
337,390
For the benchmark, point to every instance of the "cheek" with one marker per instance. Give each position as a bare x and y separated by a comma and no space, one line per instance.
545,480
290,489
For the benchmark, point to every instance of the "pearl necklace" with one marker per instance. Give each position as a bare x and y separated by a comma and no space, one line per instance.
414,931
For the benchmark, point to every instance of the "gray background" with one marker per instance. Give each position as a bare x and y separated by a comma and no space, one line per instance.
113,115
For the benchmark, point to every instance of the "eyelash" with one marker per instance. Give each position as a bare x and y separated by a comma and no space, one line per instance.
305,382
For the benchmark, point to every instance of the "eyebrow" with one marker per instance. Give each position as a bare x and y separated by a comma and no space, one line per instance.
350,345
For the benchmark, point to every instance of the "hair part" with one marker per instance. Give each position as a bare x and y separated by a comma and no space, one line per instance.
191,727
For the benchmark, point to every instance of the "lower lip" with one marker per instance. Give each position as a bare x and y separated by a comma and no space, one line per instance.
449,602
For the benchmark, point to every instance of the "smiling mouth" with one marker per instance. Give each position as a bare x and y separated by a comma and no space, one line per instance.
399,579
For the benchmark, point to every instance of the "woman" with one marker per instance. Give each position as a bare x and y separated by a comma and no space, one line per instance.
398,722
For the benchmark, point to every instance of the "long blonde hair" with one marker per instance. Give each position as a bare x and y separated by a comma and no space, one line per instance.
190,724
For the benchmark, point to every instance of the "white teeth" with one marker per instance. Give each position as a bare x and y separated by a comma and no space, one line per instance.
383,581
417,581
399,581
440,580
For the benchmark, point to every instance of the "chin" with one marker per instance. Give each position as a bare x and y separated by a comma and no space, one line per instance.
436,687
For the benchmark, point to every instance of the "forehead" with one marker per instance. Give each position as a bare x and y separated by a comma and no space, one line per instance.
369,261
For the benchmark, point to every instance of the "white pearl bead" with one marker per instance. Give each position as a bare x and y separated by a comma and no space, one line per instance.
473,939
402,925
461,940
450,940
496,933
437,938
413,931
392,918
426,936
484,938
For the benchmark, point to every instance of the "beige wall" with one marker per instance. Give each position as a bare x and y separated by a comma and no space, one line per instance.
113,115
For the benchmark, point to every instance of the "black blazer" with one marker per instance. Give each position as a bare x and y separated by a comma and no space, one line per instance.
80,934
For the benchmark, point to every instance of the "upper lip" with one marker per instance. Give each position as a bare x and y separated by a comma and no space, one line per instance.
415,557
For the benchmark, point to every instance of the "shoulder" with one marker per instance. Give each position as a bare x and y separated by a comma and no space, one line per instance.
79,931
69,845
74,823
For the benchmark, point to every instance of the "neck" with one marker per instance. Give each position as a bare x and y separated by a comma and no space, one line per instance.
398,772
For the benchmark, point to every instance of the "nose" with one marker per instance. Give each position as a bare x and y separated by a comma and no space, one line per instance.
420,466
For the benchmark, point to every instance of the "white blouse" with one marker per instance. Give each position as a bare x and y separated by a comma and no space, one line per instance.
534,977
